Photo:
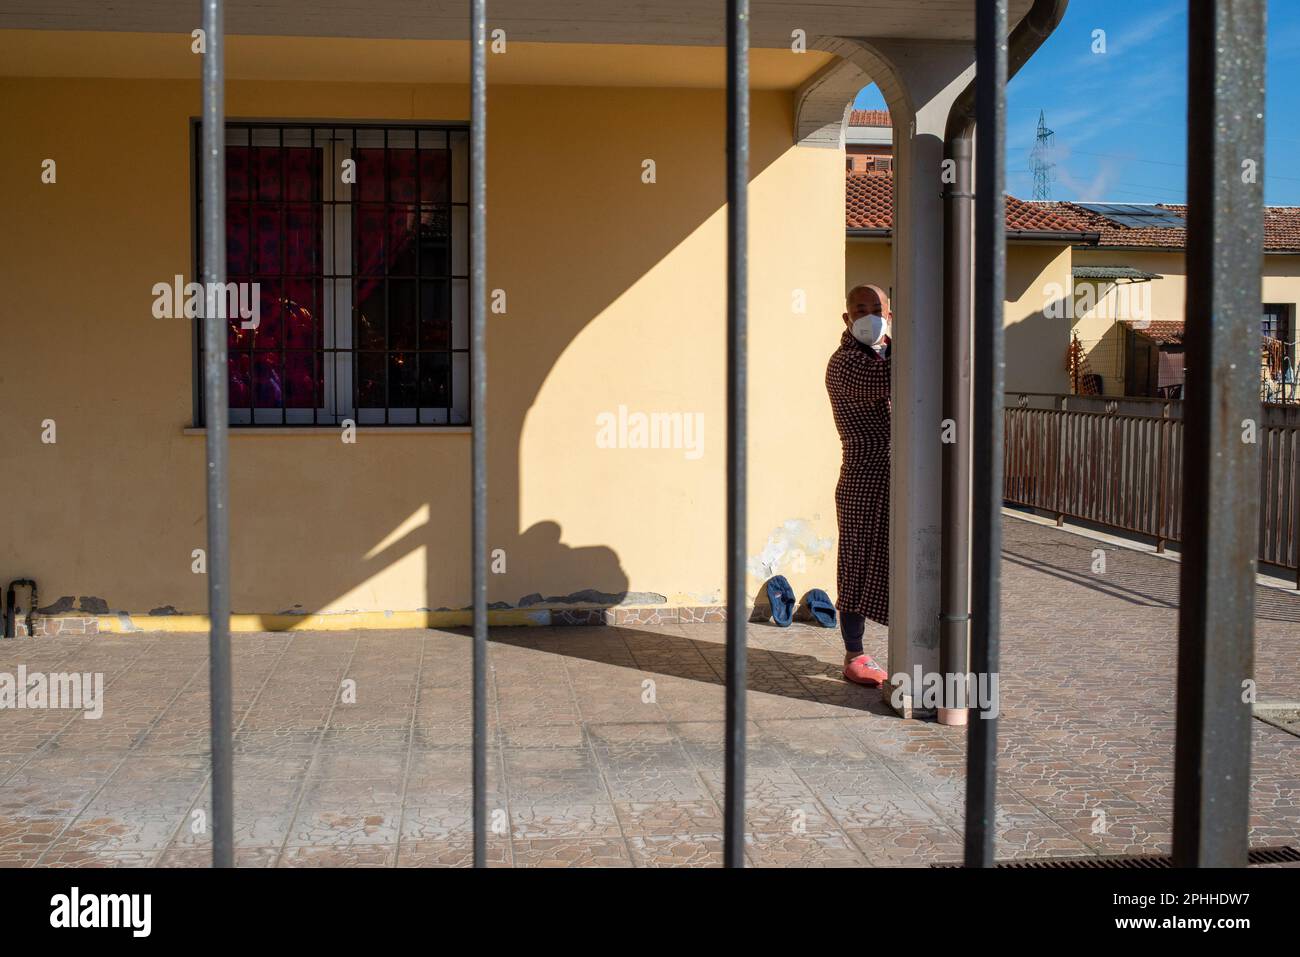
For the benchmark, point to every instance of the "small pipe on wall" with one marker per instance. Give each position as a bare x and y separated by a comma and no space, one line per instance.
10,601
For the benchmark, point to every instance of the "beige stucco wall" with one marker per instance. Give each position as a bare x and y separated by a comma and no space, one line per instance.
1036,336
1035,341
616,296
1097,311
868,261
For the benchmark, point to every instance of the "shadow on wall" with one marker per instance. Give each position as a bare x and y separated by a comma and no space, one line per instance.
317,525
1036,344
571,230
1101,306
1036,352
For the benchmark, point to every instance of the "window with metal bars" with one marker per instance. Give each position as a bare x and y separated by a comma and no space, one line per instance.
357,238
1276,321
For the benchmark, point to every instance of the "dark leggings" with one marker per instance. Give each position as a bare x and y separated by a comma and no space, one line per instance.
851,628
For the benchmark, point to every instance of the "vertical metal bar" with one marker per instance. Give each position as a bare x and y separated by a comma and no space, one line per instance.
386,238
1295,502
217,419
317,333
737,419
1114,505
419,270
197,330
254,193
282,227
478,401
354,240
1061,432
1162,499
1266,496
986,414
1225,225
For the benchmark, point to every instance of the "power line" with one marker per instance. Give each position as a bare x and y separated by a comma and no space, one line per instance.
1138,159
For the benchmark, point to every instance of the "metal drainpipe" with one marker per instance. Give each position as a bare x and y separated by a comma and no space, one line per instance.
959,210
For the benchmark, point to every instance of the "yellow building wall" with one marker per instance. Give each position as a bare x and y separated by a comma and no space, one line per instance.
1098,306
616,297
868,261
1037,332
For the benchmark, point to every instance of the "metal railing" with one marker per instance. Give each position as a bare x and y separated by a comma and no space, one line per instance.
215,391
1118,463
987,372
1212,501
737,425
478,410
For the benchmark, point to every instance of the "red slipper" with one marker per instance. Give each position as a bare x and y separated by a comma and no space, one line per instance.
863,670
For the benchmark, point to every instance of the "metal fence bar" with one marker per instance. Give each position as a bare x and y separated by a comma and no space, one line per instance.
1162,474
1225,140
478,403
737,421
217,420
1295,504
986,413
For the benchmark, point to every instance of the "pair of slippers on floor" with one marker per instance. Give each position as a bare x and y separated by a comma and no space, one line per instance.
863,669
780,598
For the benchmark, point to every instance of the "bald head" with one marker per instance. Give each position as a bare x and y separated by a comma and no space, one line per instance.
865,300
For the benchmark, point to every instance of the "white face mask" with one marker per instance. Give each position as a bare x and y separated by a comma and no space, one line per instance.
869,330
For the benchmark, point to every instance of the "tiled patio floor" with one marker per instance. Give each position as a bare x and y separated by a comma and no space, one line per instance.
608,741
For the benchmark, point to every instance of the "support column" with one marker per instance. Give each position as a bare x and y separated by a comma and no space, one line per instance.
931,77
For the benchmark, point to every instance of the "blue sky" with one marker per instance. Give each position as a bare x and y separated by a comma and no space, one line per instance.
1120,116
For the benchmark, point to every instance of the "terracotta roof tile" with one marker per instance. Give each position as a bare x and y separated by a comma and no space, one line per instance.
1281,227
868,204
1032,218
869,118
1164,331
869,198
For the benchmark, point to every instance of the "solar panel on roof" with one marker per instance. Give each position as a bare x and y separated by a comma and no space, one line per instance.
1137,215
1162,220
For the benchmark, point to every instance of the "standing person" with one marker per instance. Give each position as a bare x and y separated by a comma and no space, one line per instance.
857,380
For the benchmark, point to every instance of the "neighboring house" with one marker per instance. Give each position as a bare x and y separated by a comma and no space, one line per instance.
1129,296
1039,245
869,142
1101,285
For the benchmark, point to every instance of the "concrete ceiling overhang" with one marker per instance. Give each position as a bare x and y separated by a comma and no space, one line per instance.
654,22
168,56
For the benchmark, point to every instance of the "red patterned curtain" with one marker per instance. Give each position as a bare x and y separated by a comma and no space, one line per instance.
274,238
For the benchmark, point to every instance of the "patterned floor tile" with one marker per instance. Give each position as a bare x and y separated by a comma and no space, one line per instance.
606,745
571,852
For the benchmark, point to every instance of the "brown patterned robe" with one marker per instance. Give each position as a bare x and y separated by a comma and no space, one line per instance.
857,381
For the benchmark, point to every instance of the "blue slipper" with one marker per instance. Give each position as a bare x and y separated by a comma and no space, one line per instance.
819,604
780,596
